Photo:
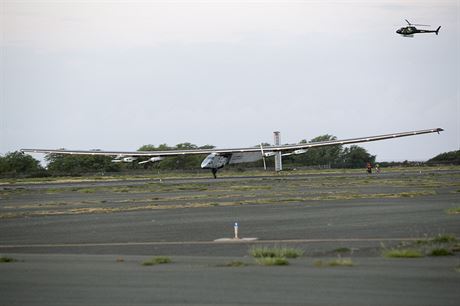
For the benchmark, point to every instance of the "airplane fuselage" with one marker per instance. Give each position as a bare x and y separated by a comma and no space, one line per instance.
214,161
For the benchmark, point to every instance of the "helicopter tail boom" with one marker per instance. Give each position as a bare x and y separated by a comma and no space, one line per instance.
437,30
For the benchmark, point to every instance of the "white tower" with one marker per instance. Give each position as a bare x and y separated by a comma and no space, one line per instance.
278,162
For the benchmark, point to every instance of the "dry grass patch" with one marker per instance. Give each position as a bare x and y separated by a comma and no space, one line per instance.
403,253
234,264
453,211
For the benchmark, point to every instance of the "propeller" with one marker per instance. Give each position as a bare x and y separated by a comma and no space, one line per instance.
151,160
122,159
296,152
263,156
413,24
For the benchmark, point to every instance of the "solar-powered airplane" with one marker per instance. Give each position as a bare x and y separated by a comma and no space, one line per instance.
218,158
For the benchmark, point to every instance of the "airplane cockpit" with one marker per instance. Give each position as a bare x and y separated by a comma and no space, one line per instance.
207,162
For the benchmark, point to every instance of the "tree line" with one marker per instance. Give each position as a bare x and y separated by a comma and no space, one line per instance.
334,156
452,157
18,164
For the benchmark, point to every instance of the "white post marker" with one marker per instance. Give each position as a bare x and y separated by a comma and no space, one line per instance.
235,229
235,239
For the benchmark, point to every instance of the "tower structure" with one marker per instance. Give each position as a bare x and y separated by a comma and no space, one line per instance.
278,161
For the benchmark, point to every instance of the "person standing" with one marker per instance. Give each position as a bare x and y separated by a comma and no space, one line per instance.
369,168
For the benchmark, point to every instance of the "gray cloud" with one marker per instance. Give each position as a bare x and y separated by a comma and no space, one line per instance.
117,76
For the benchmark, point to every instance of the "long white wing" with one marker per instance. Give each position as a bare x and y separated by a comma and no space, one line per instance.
282,148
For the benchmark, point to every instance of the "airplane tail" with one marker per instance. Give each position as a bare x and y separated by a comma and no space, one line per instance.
437,30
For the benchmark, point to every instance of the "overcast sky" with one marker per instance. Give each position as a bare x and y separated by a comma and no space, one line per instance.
116,75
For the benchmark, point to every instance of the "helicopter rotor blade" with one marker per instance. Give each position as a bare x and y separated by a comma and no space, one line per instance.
414,24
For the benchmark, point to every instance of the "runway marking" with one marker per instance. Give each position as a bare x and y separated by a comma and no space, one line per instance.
147,243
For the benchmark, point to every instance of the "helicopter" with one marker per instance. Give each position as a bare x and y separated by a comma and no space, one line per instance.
411,29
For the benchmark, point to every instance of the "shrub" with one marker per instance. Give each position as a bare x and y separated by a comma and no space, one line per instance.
446,238
260,252
7,259
272,261
156,261
441,252
339,262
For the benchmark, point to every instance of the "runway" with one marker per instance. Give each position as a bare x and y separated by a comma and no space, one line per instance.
228,241
68,240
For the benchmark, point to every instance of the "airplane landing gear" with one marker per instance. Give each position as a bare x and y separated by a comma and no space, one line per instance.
214,171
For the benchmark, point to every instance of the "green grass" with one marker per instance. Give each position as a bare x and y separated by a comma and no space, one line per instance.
441,252
275,252
7,259
453,211
226,172
440,239
339,262
440,245
342,250
445,238
274,256
156,261
403,253
272,261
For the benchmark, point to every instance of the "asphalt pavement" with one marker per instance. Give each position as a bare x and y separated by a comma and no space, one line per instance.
96,258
